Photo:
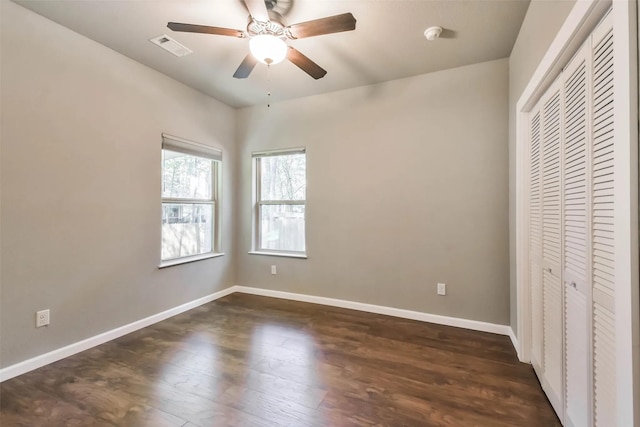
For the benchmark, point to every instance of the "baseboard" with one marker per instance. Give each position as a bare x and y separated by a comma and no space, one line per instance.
69,350
515,342
379,309
55,355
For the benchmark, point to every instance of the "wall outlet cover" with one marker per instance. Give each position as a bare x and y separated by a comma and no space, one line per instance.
42,318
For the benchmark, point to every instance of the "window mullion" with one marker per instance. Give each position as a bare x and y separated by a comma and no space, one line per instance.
187,201
282,202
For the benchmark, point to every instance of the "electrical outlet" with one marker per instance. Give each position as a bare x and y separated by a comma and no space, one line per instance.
42,318
274,270
442,289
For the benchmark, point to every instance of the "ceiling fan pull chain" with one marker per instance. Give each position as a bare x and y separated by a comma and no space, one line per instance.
268,85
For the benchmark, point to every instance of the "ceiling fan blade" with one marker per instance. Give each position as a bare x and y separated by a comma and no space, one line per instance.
318,27
305,64
246,66
191,28
257,9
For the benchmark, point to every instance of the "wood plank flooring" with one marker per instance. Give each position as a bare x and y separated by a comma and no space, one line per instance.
245,360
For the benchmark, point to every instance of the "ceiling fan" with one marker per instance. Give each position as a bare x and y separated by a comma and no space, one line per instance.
267,33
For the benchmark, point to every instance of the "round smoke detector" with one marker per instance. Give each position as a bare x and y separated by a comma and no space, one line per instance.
432,33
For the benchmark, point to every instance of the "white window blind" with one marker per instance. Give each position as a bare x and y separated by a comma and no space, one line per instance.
281,152
181,145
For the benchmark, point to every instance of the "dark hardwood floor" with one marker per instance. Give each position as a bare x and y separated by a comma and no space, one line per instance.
245,360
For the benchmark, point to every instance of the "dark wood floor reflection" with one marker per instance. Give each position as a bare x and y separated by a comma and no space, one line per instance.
246,360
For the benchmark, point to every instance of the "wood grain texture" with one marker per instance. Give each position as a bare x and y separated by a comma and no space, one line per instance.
205,29
319,27
246,360
305,64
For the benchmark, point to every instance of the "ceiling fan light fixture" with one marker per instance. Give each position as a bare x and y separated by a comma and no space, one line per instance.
268,49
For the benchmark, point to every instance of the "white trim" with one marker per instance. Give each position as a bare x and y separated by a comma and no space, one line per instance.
279,152
626,213
282,254
188,259
582,19
71,349
514,342
379,309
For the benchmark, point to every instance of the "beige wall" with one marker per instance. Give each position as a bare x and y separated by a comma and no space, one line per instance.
407,187
81,129
541,24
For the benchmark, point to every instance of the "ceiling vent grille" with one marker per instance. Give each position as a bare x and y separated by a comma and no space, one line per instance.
170,45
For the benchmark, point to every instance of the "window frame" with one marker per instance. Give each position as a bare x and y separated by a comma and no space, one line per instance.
214,155
257,248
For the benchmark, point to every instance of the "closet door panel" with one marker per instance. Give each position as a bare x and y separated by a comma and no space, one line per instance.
553,309
576,241
578,367
535,243
602,232
553,351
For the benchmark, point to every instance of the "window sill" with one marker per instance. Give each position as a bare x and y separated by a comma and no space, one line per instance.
185,260
282,254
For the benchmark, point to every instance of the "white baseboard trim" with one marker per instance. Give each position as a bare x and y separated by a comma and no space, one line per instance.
514,341
69,350
379,309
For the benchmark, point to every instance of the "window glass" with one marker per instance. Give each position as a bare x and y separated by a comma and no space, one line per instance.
185,176
283,177
187,229
282,227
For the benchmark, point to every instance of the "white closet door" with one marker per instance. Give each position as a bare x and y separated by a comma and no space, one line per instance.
576,243
602,232
579,178
551,248
535,242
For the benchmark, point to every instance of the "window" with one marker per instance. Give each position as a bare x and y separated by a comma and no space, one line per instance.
280,200
190,178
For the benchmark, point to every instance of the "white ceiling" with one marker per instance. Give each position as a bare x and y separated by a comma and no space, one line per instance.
388,42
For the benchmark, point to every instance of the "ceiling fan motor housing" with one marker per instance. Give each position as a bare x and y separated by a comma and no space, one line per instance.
273,28
267,40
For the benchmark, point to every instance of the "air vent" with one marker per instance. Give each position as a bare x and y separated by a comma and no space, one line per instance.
170,45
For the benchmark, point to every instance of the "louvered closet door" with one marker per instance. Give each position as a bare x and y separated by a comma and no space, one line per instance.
572,225
535,242
576,241
602,232
551,247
